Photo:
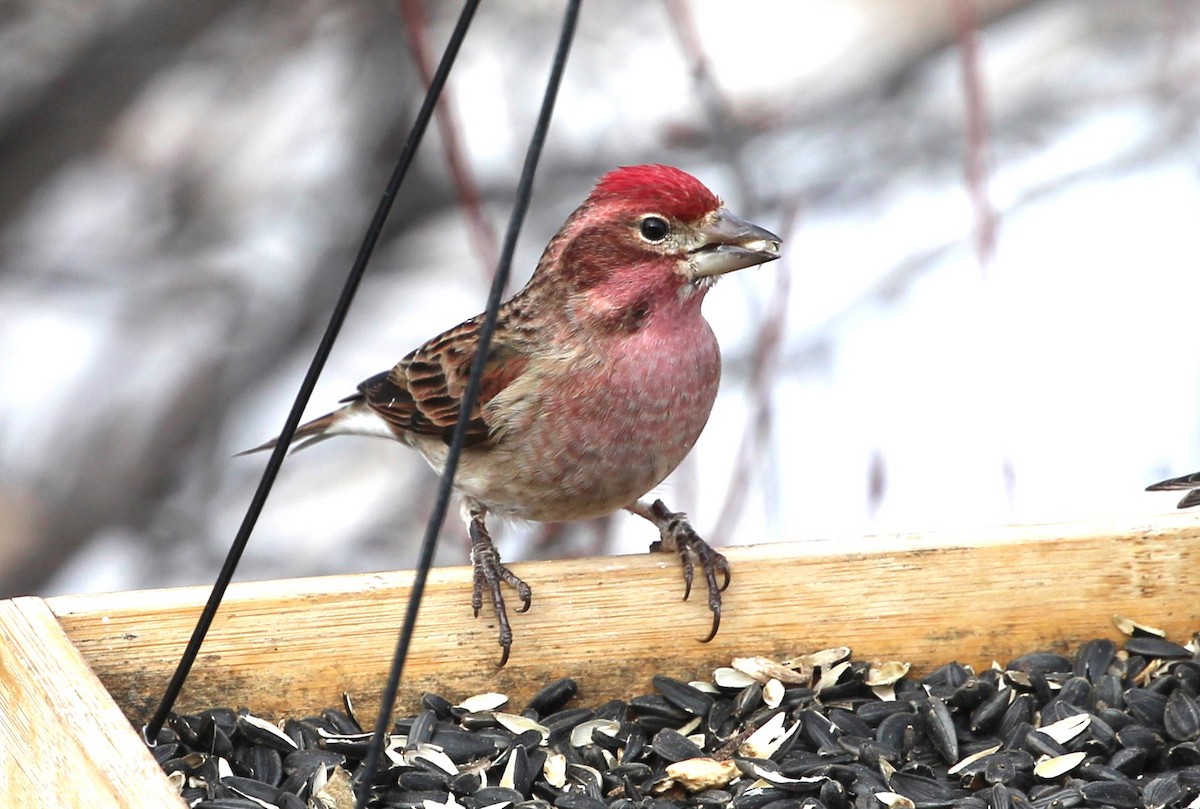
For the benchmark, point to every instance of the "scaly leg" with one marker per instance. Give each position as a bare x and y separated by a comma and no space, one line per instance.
489,573
677,535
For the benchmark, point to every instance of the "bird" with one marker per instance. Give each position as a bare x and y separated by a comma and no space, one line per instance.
1191,482
600,376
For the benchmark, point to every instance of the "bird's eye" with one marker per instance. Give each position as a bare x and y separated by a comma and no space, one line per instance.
654,228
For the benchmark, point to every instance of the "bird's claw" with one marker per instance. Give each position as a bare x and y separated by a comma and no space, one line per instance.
676,534
489,574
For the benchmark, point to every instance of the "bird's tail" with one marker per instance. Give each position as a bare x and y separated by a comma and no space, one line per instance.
1192,481
355,418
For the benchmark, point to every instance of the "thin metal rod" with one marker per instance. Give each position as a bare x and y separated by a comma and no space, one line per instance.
151,729
366,775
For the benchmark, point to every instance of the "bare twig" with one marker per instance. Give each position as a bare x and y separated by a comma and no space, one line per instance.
977,130
966,32
483,235
722,119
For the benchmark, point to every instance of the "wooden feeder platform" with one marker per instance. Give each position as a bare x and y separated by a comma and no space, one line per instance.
78,672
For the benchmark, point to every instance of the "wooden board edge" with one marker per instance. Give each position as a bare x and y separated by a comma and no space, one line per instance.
986,594
63,740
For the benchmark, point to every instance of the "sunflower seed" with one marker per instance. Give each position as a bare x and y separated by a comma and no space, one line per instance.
1162,792
584,732
1152,647
674,746
1181,716
516,723
1094,658
682,695
1146,706
1120,794
260,731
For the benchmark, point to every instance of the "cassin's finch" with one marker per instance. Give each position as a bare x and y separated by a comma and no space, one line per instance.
599,379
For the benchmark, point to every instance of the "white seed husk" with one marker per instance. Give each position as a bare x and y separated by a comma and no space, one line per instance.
434,755
1130,626
1051,768
729,677
822,657
886,673
335,792
971,759
555,770
488,701
581,734
1064,730
886,693
772,693
520,724
763,742
830,676
699,774
763,669
269,727
894,800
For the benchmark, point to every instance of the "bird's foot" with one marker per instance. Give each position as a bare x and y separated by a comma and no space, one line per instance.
489,574
677,535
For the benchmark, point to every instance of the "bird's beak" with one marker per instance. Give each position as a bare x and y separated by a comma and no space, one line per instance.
730,243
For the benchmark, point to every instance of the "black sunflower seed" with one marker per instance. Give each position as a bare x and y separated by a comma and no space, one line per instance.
987,714
1152,647
1043,662
553,696
1181,716
1139,737
577,800
307,761
1120,794
674,746
1094,658
1162,792
251,788
1146,706
682,695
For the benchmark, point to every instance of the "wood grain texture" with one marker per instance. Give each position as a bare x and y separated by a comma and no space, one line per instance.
293,646
63,742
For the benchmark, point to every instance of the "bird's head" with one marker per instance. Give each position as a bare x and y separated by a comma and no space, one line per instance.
650,234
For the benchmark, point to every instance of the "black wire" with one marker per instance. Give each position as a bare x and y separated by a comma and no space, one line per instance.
370,765
151,729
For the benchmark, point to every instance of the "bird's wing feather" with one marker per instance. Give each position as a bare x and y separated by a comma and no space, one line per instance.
423,393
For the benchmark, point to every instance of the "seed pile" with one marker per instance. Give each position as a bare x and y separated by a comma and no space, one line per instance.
1108,727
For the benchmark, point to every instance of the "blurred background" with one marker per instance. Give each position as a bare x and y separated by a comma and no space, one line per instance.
986,312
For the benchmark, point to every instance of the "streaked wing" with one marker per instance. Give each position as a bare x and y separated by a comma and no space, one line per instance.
423,393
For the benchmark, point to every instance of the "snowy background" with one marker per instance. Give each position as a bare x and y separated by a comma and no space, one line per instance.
986,312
